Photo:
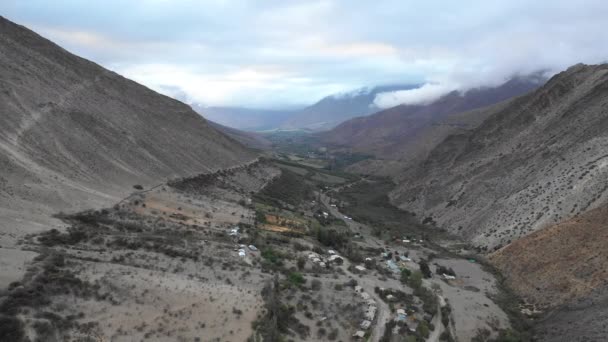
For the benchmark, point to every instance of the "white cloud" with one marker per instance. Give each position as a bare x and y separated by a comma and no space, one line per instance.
428,93
207,48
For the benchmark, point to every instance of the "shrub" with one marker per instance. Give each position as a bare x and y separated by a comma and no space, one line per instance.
296,278
316,285
301,262
138,187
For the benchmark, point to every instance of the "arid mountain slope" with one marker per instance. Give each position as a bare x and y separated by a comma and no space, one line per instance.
538,161
74,135
559,263
562,270
408,132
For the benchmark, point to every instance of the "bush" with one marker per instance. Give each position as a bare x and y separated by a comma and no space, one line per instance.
138,187
296,278
316,285
301,262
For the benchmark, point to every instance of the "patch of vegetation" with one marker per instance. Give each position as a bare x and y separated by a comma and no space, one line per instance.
296,278
341,160
367,202
46,278
279,319
272,255
288,188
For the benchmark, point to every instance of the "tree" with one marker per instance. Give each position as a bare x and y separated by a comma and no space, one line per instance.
415,280
425,269
405,275
423,329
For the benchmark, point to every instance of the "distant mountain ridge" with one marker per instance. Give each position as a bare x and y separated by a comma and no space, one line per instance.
406,133
322,115
334,109
244,119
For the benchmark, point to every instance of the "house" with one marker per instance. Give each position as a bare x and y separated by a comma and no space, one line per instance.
358,289
390,298
234,231
406,241
392,266
242,252
404,258
360,268
448,277
331,252
371,302
401,315
368,259
365,295
253,248
365,324
370,314
316,260
312,256
359,335
336,258
322,264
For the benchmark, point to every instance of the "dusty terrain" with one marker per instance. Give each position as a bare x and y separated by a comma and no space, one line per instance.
75,136
559,263
176,263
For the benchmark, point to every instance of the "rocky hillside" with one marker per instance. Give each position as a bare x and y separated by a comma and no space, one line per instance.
74,135
561,270
538,161
559,263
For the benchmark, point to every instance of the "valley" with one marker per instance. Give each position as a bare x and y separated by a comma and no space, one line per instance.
257,251
395,192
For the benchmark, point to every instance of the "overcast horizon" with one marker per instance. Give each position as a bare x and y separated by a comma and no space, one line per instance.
278,54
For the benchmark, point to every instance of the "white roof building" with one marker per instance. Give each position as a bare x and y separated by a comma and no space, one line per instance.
371,313
359,334
365,324
360,268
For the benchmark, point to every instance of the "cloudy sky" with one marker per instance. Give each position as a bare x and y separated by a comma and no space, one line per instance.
275,53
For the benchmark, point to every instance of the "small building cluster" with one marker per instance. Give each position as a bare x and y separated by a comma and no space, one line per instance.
370,309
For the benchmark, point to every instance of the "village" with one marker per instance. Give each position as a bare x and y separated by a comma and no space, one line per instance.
269,249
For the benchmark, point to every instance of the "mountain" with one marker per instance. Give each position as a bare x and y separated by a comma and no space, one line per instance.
247,119
74,135
561,270
409,132
334,109
536,161
250,139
